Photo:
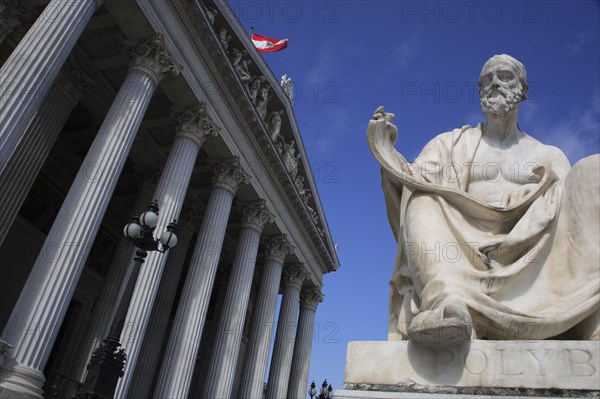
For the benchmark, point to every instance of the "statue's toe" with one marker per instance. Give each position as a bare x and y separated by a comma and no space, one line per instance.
446,325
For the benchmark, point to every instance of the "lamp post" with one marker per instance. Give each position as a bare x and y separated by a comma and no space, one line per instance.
326,392
107,362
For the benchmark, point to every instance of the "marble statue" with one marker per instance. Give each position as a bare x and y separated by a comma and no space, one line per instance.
290,159
254,87
241,65
262,100
274,124
497,233
224,37
210,13
287,86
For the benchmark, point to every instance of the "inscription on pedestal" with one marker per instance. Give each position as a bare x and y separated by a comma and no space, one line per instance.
529,364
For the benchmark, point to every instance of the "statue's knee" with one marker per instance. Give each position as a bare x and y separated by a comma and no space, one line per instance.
420,200
588,168
584,178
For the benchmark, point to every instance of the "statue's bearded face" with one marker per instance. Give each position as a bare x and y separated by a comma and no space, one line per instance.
500,90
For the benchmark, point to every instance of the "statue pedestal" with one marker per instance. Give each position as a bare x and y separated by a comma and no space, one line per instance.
395,369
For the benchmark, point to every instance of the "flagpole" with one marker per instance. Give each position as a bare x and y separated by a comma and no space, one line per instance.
251,32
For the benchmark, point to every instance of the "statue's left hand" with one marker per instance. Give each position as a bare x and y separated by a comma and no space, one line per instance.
512,197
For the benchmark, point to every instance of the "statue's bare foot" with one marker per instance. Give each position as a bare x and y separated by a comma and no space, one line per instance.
449,324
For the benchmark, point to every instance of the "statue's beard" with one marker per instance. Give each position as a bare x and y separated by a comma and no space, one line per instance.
499,102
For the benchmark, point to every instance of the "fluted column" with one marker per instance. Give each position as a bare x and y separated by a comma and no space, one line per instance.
12,14
35,63
17,177
309,299
210,332
194,127
281,361
221,369
41,307
180,356
145,371
115,283
257,356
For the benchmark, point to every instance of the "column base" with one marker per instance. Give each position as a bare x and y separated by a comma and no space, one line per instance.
18,381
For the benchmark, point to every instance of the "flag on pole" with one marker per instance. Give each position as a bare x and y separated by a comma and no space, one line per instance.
267,44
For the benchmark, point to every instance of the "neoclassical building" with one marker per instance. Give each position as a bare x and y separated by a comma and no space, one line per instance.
106,107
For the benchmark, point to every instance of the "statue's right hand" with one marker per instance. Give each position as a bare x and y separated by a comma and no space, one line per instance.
382,124
380,114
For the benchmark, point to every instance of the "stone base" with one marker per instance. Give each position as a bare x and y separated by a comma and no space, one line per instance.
20,382
505,368
382,394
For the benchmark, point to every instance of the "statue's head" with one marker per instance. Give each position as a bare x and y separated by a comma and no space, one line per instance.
502,85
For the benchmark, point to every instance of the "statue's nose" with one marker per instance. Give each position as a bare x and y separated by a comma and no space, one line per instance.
496,82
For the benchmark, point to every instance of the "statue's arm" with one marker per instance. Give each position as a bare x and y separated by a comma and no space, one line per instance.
382,135
382,132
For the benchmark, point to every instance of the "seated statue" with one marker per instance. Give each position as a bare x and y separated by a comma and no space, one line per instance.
497,233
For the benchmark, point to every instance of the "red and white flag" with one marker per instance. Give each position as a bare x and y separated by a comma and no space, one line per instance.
267,44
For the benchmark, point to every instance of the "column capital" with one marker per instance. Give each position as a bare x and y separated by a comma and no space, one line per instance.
294,274
152,57
195,124
13,14
71,81
255,215
228,174
278,247
310,297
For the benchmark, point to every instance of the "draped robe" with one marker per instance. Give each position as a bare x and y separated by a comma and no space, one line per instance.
527,271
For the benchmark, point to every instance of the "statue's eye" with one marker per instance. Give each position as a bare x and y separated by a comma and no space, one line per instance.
505,76
486,80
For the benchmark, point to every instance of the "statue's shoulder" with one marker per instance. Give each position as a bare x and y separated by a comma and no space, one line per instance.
549,154
547,148
450,137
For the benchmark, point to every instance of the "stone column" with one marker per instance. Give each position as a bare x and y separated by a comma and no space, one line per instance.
145,371
281,361
210,332
194,127
34,64
298,385
180,356
257,356
17,177
115,283
12,14
39,312
221,370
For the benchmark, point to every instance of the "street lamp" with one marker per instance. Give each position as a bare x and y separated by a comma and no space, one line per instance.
312,391
326,392
108,361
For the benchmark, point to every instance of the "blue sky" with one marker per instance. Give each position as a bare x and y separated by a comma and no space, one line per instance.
421,60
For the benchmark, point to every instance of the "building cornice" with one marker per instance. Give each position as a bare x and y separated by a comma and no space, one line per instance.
229,83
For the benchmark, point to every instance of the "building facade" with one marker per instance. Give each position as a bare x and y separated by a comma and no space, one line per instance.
106,107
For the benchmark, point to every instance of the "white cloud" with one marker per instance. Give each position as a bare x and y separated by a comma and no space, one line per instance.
576,45
326,65
577,134
331,129
405,51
